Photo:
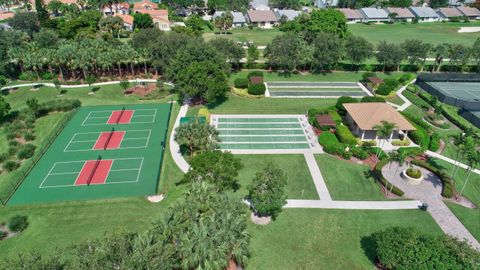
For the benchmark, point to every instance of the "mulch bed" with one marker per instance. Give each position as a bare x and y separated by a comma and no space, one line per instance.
141,90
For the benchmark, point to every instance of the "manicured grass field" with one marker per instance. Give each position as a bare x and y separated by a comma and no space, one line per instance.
434,33
299,179
261,37
469,217
327,239
107,95
241,105
348,181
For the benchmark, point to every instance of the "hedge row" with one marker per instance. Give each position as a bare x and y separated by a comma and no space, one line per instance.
377,172
448,188
345,136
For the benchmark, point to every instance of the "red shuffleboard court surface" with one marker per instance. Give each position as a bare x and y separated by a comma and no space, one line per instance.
114,143
120,117
98,177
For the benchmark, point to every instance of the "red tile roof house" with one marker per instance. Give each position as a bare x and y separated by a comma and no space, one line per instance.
6,15
118,8
352,15
471,12
159,16
449,13
262,18
403,14
127,21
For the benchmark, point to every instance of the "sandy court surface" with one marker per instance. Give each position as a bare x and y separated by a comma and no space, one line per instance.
469,29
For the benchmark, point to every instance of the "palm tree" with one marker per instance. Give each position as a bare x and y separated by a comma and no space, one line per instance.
465,146
473,161
197,137
384,130
398,157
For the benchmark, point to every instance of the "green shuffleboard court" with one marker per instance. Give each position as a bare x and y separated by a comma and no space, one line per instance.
314,89
262,132
103,152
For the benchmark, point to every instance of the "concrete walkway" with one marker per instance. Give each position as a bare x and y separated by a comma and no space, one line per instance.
449,160
317,177
78,85
407,102
358,205
174,146
429,191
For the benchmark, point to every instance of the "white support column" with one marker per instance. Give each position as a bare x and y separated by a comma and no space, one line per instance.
363,134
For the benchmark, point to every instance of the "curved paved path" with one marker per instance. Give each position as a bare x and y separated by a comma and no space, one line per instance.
79,85
174,146
429,191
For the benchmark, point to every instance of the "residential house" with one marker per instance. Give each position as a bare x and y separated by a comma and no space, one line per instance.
375,15
116,8
288,14
352,15
402,14
259,5
143,5
447,13
238,18
159,16
425,14
262,18
459,3
325,3
471,12
6,15
127,21
363,118
46,2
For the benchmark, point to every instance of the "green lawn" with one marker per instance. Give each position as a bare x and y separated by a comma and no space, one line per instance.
434,33
261,37
241,105
348,181
107,95
298,176
327,239
469,217
63,224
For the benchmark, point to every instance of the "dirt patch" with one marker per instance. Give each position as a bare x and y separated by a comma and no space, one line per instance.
141,90
260,220
10,234
469,29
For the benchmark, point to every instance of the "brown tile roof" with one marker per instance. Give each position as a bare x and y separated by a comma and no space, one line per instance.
470,11
351,13
401,12
6,15
126,18
144,4
156,13
368,115
262,16
450,12
375,80
325,120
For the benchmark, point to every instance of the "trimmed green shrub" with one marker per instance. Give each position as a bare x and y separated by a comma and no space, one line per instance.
414,173
392,83
377,172
10,165
384,89
18,223
347,155
408,248
255,73
367,75
372,99
28,76
405,78
448,187
376,150
336,117
330,144
411,151
345,136
28,136
434,142
359,153
241,83
26,151
256,89
341,100
46,76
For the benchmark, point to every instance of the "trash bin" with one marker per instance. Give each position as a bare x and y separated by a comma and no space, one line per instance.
424,206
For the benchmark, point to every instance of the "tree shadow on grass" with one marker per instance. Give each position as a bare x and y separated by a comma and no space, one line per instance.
368,246
219,101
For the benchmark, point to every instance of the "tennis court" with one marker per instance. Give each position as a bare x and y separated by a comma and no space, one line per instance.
103,152
469,91
314,89
264,132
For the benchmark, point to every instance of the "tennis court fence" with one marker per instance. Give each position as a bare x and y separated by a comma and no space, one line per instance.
16,178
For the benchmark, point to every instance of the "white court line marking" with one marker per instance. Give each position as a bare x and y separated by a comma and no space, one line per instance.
64,173
100,132
45,178
84,162
111,112
86,118
130,147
